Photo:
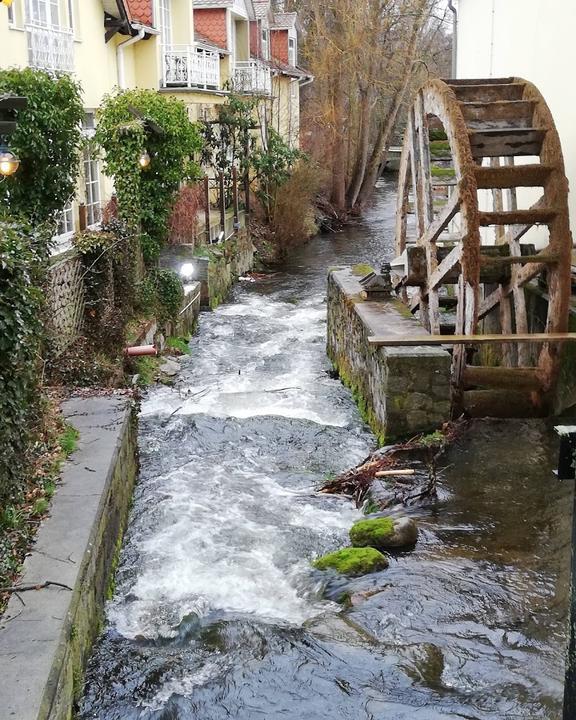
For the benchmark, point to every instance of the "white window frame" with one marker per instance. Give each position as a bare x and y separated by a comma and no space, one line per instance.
45,13
292,52
11,16
265,43
92,180
165,21
67,220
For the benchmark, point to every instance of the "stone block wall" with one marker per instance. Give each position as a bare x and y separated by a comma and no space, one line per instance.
400,391
223,264
65,300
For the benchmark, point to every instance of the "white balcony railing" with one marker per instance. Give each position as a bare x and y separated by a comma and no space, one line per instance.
252,76
50,48
191,67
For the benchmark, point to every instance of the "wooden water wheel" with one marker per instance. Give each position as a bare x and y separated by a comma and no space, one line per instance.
473,237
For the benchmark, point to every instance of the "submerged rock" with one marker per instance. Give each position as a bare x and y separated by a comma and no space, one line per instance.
384,532
353,561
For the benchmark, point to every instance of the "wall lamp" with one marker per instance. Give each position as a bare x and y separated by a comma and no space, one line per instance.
144,160
9,162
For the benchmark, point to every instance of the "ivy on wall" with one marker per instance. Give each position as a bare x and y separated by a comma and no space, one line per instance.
47,140
133,121
22,261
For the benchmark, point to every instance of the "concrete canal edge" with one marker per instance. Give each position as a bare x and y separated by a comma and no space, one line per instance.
46,636
400,391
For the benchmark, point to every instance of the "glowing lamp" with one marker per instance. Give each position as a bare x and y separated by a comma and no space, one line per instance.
9,163
144,160
187,271
8,3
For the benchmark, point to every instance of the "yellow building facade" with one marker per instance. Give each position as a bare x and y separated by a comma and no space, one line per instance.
197,50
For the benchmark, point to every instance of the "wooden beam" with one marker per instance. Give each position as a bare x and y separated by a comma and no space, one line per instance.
439,340
519,378
452,259
433,232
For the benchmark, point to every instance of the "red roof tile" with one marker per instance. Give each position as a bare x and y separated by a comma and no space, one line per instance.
140,11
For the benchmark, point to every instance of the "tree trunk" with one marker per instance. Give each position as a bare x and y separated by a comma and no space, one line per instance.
363,148
387,126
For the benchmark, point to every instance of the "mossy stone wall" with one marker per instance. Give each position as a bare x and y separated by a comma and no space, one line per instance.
399,391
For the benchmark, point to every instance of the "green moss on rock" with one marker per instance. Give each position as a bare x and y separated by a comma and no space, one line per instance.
353,561
373,532
384,532
362,269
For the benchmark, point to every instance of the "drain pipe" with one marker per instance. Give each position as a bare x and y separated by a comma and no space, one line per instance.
454,38
120,55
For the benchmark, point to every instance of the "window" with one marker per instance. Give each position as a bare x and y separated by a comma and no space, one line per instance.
292,52
91,175
265,51
165,21
92,186
43,12
11,19
66,222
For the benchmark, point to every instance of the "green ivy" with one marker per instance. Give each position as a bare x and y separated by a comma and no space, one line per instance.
145,197
161,294
47,141
22,263
230,141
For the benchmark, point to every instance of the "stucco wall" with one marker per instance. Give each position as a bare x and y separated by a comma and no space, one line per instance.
533,39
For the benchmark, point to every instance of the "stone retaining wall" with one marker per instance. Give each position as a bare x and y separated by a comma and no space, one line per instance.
222,265
44,644
400,391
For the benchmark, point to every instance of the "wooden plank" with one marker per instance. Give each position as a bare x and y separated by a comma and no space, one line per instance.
506,142
540,216
519,378
497,203
439,340
403,193
487,92
447,264
415,163
512,110
453,82
511,177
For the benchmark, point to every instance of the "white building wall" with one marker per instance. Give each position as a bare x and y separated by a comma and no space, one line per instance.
531,39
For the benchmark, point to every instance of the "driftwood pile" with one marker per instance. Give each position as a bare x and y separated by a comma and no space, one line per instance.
409,469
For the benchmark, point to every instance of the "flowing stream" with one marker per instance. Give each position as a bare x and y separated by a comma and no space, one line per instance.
217,613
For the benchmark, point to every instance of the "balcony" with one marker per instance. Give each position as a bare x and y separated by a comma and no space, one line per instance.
50,48
190,67
252,77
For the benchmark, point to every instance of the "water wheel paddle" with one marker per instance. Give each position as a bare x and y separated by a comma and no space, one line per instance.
469,146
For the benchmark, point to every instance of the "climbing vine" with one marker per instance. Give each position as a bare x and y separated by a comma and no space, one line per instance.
131,122
47,140
22,263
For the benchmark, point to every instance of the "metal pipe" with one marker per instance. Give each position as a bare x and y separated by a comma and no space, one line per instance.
454,39
120,56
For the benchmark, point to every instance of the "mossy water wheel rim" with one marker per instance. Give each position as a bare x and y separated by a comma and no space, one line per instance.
470,149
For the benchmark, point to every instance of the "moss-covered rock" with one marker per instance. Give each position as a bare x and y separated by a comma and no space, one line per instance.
384,532
353,561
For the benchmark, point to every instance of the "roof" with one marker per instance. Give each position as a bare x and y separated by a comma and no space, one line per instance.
210,44
289,70
140,11
261,8
284,21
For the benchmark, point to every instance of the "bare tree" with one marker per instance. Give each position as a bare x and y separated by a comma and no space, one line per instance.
366,55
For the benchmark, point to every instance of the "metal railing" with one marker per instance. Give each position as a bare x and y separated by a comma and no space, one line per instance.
227,194
191,67
50,48
252,76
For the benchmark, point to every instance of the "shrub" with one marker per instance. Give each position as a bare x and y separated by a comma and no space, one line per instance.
22,261
182,225
47,140
292,216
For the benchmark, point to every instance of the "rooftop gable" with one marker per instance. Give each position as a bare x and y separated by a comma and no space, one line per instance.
140,11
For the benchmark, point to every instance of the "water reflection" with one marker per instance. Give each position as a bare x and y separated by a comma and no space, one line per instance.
217,613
